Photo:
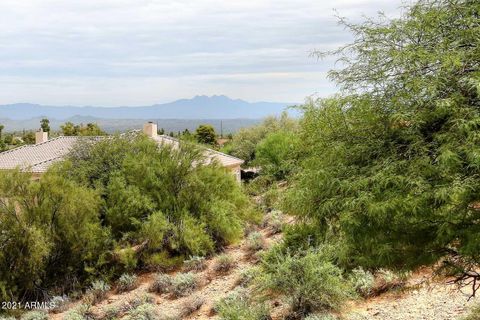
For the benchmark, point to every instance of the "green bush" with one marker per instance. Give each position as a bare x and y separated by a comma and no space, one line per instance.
391,164
320,317
362,281
195,263
34,315
127,282
474,314
161,284
224,263
163,261
144,311
97,292
309,281
183,284
80,312
275,154
274,221
255,241
59,303
247,276
50,231
237,306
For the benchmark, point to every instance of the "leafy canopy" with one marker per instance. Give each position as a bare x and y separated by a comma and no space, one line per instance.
391,165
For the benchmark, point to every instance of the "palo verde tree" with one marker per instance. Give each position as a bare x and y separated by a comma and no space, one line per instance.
391,165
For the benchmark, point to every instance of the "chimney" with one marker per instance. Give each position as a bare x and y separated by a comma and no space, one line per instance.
150,129
41,136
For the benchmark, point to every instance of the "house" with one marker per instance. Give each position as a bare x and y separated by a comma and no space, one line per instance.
37,158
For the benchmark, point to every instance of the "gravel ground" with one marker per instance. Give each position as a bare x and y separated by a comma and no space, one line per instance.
423,301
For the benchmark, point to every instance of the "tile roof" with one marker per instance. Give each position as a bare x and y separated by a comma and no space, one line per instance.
224,159
38,157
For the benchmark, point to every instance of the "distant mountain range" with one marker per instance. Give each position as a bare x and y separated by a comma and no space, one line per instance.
199,107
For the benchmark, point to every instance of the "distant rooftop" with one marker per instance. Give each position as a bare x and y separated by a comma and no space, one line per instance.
37,158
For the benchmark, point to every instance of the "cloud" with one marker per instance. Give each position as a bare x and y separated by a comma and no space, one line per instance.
162,49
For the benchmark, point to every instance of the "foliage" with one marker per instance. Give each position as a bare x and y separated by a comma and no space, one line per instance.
206,134
163,261
90,129
308,280
195,263
320,317
59,303
144,311
126,282
34,315
362,281
255,241
45,125
245,141
155,194
474,314
161,283
390,166
275,154
273,220
97,292
238,306
183,284
224,263
80,312
49,232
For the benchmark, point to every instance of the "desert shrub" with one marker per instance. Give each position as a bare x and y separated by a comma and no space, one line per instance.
308,280
224,263
320,317
247,276
59,303
245,141
163,261
80,312
362,281
195,263
238,306
35,315
194,237
190,305
161,284
111,312
42,224
276,154
126,258
255,241
145,311
183,284
185,212
474,314
274,221
386,280
126,282
97,291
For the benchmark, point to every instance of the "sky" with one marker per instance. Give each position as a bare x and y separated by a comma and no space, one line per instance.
142,52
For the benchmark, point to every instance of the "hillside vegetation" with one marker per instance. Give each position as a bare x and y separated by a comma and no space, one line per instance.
370,187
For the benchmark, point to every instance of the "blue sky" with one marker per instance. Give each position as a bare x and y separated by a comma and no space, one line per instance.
141,52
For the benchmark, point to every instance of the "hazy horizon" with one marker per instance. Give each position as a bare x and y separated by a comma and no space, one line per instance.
144,52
